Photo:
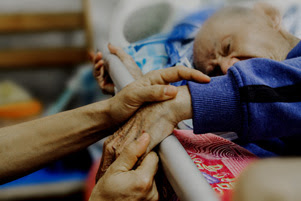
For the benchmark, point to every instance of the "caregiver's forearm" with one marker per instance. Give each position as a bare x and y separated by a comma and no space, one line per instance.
28,146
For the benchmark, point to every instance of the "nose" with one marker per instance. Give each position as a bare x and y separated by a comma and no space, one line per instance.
225,63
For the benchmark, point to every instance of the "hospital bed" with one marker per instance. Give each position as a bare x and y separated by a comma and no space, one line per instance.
153,17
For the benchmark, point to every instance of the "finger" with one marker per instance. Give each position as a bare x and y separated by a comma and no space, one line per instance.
155,93
91,55
108,89
102,72
130,155
118,51
107,158
97,57
149,165
99,64
175,74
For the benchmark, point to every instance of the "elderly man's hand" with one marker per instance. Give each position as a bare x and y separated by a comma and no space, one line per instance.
150,88
157,119
122,183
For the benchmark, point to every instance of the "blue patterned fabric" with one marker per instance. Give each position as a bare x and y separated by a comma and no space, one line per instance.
174,48
149,54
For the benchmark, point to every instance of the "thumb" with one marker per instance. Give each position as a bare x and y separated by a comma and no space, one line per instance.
130,155
156,93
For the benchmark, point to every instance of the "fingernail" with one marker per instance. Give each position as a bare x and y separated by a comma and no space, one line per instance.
205,76
143,137
170,90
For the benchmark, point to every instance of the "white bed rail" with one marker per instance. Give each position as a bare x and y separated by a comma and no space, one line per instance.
183,175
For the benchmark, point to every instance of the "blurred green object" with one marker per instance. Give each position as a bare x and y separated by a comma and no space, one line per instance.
11,93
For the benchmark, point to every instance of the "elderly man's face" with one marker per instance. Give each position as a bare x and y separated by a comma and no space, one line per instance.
225,40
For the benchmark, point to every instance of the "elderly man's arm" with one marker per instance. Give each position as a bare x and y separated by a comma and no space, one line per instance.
257,98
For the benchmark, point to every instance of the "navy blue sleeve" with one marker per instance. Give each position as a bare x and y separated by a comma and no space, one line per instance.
258,98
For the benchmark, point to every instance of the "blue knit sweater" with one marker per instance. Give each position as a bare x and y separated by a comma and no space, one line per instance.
259,99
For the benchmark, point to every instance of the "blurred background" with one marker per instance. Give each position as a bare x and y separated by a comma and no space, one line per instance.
44,69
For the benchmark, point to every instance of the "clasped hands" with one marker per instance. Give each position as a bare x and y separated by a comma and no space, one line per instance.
165,106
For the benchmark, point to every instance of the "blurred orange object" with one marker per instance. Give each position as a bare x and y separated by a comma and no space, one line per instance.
20,109
16,103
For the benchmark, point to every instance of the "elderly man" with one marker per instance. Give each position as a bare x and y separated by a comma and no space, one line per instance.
257,94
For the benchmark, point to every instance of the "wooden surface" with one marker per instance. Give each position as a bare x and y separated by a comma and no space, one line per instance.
42,57
46,22
87,24
30,22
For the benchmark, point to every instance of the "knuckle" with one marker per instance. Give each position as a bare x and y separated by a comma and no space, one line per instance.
152,73
180,68
152,94
128,150
145,184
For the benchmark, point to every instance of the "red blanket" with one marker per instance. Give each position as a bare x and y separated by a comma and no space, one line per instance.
219,160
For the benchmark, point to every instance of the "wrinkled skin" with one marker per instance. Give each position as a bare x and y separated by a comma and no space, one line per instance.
157,119
100,73
123,181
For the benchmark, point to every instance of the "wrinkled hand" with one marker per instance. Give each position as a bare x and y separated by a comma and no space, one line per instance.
151,87
121,182
157,119
100,68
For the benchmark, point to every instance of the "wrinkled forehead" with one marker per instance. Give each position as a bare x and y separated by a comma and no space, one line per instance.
232,21
227,20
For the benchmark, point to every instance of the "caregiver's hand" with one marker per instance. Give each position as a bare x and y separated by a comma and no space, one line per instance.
151,87
121,182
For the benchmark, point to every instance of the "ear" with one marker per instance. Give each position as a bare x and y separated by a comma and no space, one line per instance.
272,13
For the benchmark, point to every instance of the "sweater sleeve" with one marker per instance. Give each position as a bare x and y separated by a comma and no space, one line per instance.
216,105
258,99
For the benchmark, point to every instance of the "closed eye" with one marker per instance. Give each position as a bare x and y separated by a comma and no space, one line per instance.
244,58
